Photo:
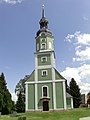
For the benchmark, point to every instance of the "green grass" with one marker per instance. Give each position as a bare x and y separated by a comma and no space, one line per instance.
74,114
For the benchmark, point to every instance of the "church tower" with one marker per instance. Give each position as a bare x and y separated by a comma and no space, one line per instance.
45,87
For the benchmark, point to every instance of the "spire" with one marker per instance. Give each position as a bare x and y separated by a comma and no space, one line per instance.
43,9
43,22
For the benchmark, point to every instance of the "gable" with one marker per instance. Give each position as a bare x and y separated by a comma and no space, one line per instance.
31,77
58,76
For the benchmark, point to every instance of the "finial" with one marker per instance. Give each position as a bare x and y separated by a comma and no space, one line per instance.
42,8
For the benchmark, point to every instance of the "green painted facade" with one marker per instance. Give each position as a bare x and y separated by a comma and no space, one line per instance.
47,39
31,78
68,103
44,78
50,95
59,95
41,63
31,96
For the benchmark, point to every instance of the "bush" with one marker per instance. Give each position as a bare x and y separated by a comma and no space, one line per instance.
22,118
14,114
83,105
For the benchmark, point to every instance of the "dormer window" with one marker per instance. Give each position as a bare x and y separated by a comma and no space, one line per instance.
43,46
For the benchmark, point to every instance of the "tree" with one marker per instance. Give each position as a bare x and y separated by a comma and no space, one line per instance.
20,105
5,96
20,91
20,87
1,102
75,92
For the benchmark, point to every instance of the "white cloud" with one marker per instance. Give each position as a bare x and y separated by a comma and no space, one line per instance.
11,1
81,41
82,55
79,38
81,75
14,97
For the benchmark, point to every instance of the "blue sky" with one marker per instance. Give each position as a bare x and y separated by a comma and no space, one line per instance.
69,20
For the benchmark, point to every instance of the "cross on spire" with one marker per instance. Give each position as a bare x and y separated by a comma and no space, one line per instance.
43,9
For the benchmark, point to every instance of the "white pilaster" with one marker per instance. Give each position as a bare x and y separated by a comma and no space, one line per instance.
36,101
36,76
54,96
54,89
64,93
26,100
53,60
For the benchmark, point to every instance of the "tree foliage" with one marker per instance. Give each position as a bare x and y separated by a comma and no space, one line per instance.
75,92
20,105
5,96
20,87
20,91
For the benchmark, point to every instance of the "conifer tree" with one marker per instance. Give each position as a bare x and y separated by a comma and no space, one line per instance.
20,105
5,96
75,92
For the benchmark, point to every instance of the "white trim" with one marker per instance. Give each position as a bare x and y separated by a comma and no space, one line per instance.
47,81
26,100
36,61
54,89
53,60
54,96
37,46
50,45
36,80
44,66
47,91
41,52
64,93
44,58
36,97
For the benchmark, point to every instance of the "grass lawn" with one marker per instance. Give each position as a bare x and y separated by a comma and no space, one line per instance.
74,114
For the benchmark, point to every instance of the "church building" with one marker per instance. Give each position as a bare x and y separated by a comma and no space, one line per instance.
45,87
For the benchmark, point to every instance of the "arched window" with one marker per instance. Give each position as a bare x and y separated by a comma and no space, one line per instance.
44,91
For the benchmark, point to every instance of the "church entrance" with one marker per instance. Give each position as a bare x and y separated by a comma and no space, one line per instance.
45,105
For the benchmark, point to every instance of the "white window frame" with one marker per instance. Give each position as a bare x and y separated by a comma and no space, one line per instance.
42,46
44,58
44,71
47,91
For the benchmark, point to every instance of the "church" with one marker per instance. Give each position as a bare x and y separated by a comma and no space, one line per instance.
45,87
